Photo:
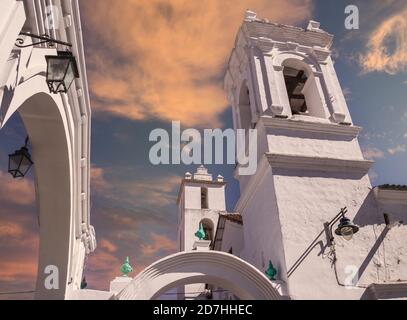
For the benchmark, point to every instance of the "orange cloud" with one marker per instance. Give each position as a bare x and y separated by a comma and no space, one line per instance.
19,270
18,256
10,230
102,268
387,46
97,178
158,192
104,265
165,59
16,191
108,245
159,243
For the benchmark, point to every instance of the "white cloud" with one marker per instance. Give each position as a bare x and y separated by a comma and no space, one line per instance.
399,148
373,175
373,153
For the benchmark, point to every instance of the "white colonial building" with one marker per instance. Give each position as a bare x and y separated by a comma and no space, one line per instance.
309,217
56,115
308,224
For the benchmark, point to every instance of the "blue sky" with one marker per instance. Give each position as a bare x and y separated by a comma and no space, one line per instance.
157,61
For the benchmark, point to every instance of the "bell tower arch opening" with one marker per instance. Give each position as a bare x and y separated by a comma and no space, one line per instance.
208,227
245,112
305,95
295,81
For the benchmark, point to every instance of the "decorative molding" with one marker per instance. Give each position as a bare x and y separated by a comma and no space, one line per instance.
275,31
292,161
321,53
383,291
310,126
391,196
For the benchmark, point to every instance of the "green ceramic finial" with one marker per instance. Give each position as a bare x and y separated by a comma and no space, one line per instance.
126,268
200,234
271,272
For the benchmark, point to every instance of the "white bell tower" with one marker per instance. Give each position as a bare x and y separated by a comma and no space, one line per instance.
281,81
200,201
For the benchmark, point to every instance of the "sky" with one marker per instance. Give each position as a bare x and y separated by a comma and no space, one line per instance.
153,62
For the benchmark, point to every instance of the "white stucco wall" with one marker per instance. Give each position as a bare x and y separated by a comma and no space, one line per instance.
312,144
262,228
315,167
59,122
233,238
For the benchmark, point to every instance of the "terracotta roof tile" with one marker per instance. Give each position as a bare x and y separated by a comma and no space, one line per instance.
233,217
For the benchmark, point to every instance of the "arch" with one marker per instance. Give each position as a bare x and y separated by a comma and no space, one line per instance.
212,267
65,236
208,226
244,105
297,59
305,95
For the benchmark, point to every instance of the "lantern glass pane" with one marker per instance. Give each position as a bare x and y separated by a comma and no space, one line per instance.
14,161
57,67
347,233
25,165
69,77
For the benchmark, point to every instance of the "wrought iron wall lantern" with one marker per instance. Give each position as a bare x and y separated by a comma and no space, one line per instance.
20,162
345,229
62,69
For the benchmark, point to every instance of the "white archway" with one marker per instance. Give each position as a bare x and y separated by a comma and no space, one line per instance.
213,267
48,121
59,130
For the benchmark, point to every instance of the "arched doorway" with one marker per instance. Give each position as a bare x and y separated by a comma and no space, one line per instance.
212,267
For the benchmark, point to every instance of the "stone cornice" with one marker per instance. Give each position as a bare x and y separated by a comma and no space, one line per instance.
391,196
387,290
284,33
310,126
291,161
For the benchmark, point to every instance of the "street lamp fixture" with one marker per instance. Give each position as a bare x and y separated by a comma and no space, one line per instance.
20,162
345,229
61,69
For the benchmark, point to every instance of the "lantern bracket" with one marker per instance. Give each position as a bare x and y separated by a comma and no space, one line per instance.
44,39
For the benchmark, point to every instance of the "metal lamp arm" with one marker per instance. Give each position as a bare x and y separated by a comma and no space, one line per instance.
44,39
